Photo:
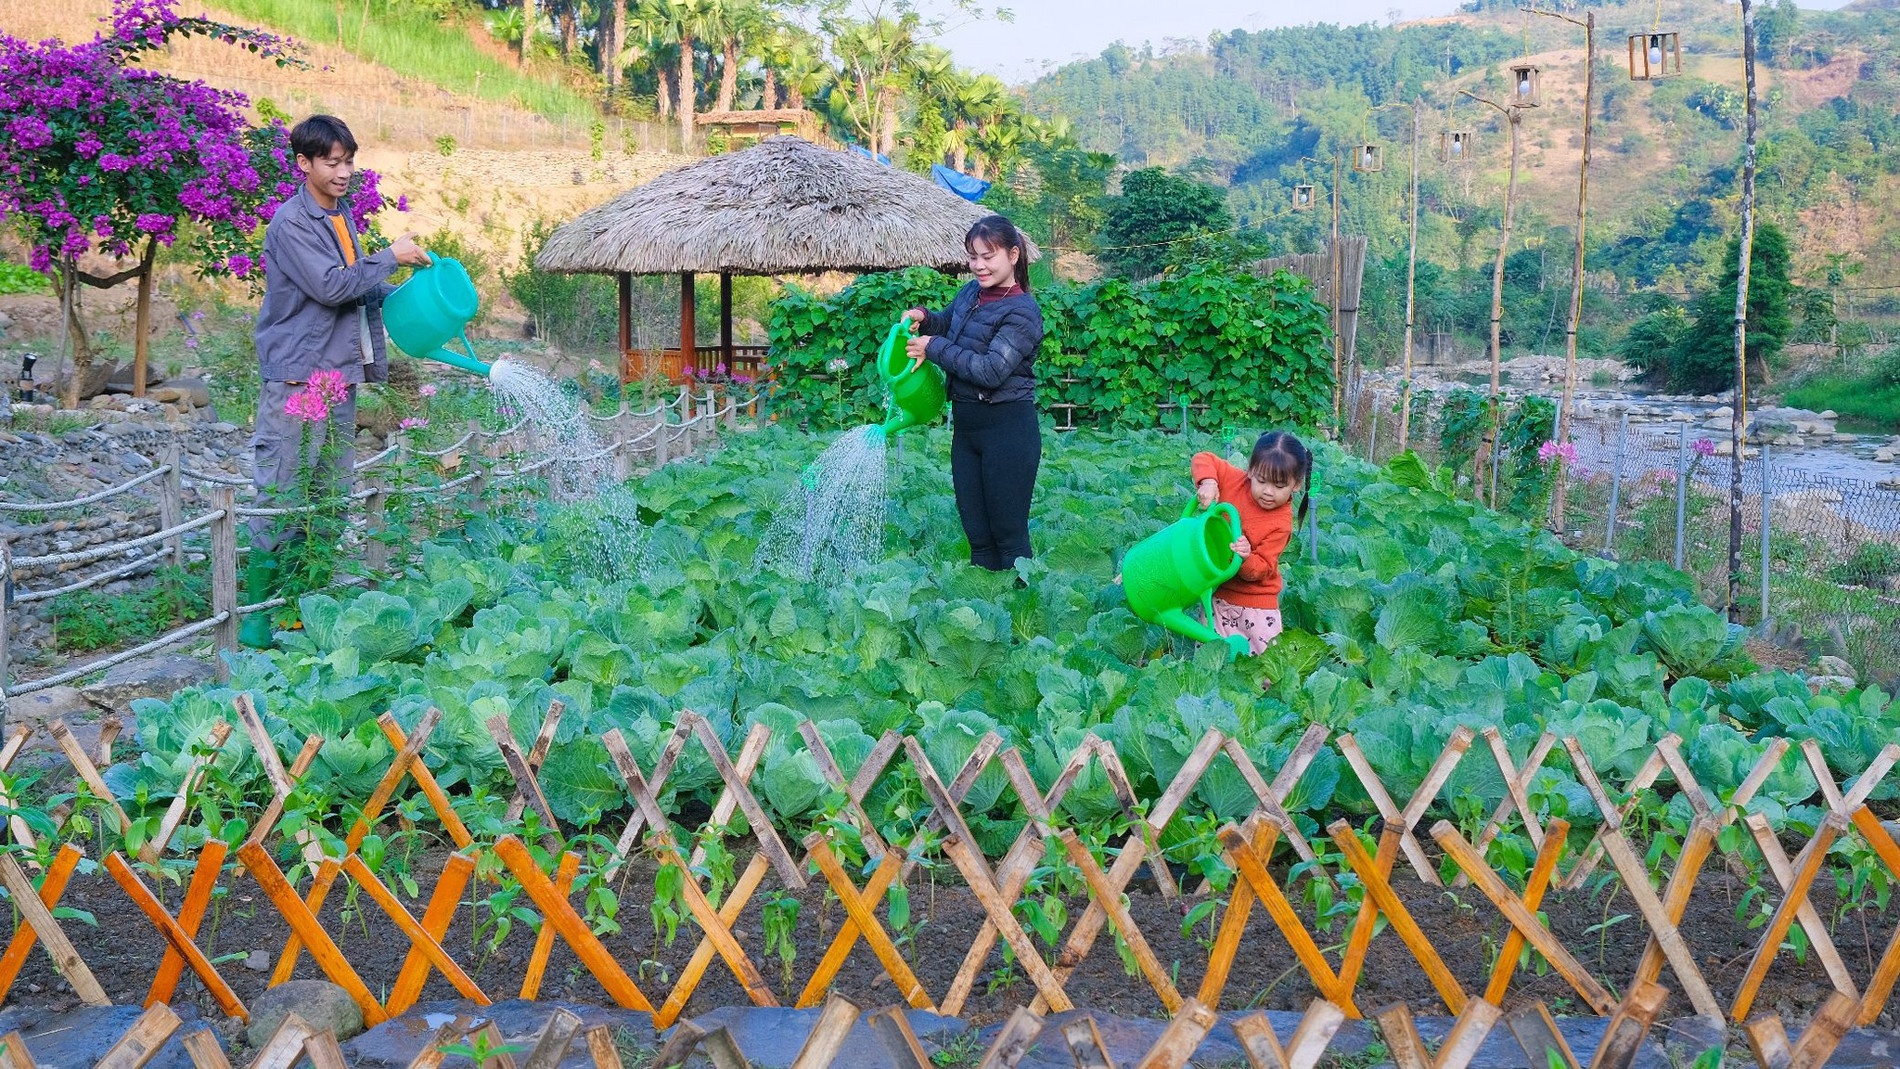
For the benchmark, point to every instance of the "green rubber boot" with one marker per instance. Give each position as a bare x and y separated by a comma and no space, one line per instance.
260,584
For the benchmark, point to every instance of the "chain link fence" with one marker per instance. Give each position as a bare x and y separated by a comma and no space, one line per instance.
1822,576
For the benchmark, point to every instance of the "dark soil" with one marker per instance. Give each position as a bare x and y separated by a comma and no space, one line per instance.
123,950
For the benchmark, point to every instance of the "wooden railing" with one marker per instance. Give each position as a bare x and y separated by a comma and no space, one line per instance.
745,364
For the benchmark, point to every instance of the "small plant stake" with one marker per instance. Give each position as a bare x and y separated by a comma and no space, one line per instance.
1623,1038
1018,1035
1408,1051
1768,1040
1537,1033
1303,1051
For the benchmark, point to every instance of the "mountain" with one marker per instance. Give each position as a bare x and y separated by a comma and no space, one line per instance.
1251,111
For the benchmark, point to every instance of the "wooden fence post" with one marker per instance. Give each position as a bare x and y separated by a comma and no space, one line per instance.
171,500
6,609
375,549
623,461
224,577
659,443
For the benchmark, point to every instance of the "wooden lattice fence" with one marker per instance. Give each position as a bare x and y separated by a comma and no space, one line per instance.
1254,849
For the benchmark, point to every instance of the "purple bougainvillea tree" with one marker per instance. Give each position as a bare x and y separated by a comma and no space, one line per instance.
97,153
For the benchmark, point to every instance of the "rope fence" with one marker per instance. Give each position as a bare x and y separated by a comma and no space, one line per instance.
698,420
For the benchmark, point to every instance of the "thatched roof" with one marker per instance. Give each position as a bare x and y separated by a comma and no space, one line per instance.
782,206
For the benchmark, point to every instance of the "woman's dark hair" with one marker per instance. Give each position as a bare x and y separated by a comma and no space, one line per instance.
314,137
1280,457
999,233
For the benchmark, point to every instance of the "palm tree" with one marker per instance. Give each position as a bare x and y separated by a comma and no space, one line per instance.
651,32
740,22
877,56
976,102
688,21
528,17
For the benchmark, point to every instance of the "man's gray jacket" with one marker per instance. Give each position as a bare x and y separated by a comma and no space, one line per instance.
320,312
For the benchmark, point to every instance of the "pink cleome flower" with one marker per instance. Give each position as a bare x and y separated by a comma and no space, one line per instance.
330,386
427,389
413,423
1550,451
1703,447
307,405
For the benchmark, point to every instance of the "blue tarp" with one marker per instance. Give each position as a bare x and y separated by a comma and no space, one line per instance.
869,155
969,187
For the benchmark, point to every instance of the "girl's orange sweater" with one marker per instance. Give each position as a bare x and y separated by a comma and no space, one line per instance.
1257,585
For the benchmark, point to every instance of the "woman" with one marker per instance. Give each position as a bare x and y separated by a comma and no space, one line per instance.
986,343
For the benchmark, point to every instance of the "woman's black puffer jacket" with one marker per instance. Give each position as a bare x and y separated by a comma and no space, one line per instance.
987,350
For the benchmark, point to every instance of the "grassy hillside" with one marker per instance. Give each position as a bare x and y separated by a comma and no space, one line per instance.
454,54
1251,111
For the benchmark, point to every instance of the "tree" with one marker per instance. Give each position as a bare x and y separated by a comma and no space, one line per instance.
1155,208
1705,360
98,153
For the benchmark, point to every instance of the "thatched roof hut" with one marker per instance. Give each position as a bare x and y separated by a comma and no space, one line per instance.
782,206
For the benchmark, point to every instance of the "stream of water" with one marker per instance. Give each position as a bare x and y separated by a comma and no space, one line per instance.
832,522
599,517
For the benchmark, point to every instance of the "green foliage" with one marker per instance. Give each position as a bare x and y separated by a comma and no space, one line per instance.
1156,208
1424,613
1058,195
1705,357
91,619
19,278
1654,339
808,332
1866,400
575,311
1255,350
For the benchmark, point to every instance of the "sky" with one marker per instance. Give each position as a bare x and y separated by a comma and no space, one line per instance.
1049,33
1057,31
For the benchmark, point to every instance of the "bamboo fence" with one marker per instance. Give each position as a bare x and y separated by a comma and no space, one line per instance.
1399,862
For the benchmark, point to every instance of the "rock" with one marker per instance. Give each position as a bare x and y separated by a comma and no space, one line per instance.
1884,455
319,1002
81,1036
42,707
224,428
1834,666
1817,684
158,676
187,392
257,961
121,380
1830,414
92,381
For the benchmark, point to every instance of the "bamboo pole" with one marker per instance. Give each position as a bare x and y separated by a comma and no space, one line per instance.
1512,118
1411,294
1738,421
1565,411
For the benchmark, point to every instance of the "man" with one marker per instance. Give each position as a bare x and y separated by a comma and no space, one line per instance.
322,312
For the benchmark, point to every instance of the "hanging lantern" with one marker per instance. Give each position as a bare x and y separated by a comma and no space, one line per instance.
1524,88
1368,159
1655,55
1302,198
1454,146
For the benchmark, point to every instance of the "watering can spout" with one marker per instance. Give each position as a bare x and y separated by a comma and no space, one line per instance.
1179,622
459,361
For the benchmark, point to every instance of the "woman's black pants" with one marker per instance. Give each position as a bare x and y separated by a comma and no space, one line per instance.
995,450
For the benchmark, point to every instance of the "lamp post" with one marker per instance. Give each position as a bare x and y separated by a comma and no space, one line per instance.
1565,410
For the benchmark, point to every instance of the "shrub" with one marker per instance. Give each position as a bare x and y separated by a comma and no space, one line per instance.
1253,350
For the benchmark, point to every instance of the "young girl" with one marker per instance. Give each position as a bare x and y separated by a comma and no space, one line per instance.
1249,603
986,343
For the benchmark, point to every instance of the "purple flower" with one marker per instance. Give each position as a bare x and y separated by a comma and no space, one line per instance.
427,389
402,203
413,423
1703,447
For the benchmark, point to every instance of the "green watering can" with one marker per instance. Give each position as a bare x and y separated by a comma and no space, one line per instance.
1179,566
433,309
916,395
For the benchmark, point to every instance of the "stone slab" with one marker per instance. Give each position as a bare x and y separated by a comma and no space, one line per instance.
78,1037
395,1043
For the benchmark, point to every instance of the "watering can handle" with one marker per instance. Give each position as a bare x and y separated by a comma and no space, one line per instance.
1222,507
